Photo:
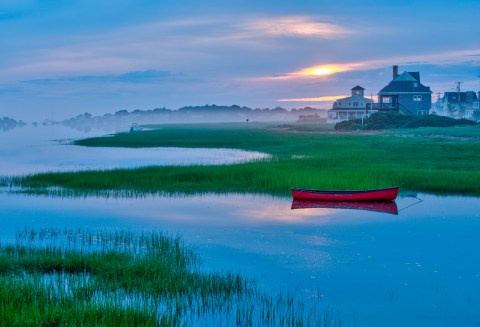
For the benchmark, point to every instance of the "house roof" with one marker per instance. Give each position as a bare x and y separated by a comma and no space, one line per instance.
355,97
415,75
405,77
406,83
357,88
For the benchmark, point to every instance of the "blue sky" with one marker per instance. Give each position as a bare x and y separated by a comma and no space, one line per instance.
63,58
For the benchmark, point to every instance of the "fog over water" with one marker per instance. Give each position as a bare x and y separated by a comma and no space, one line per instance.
41,149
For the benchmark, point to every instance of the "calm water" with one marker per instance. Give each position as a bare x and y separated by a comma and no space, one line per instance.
41,149
418,268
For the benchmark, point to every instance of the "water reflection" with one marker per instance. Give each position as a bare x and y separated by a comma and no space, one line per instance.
364,264
381,206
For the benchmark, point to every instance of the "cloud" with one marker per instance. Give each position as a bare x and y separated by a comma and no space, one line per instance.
134,77
172,44
294,26
9,90
243,57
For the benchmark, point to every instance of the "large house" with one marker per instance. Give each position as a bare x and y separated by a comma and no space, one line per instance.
355,106
405,94
458,104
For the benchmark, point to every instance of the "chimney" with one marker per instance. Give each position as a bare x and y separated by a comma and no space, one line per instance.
395,71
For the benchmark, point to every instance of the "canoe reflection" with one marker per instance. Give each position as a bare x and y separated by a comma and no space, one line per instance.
383,206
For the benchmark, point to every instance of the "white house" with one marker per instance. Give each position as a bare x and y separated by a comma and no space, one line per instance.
355,106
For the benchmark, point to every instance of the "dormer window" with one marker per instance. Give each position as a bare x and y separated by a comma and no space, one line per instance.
415,84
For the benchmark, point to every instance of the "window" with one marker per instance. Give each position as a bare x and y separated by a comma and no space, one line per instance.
417,98
476,104
415,84
355,104
422,112
357,92
387,100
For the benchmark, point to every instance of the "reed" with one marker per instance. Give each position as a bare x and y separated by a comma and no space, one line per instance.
53,277
430,163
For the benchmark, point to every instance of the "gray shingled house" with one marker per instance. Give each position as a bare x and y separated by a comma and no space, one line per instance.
405,94
458,104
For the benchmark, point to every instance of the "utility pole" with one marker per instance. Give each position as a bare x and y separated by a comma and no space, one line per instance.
458,96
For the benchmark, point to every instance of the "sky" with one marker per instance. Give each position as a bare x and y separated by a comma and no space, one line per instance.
61,58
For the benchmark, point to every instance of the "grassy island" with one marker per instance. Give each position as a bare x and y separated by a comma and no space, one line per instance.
436,160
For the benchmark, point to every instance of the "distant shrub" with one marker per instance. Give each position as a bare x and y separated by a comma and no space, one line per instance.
394,120
349,125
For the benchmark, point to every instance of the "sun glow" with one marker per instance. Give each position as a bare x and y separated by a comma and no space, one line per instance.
322,70
318,71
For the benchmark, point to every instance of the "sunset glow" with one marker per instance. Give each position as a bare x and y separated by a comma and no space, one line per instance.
328,98
315,71
325,70
316,99
319,71
322,71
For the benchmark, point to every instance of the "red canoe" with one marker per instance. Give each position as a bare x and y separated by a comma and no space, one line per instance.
384,194
378,206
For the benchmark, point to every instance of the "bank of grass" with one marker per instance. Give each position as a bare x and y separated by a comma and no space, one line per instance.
77,278
462,132
323,160
395,120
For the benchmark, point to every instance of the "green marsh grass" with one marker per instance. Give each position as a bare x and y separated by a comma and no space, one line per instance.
465,132
78,278
322,160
